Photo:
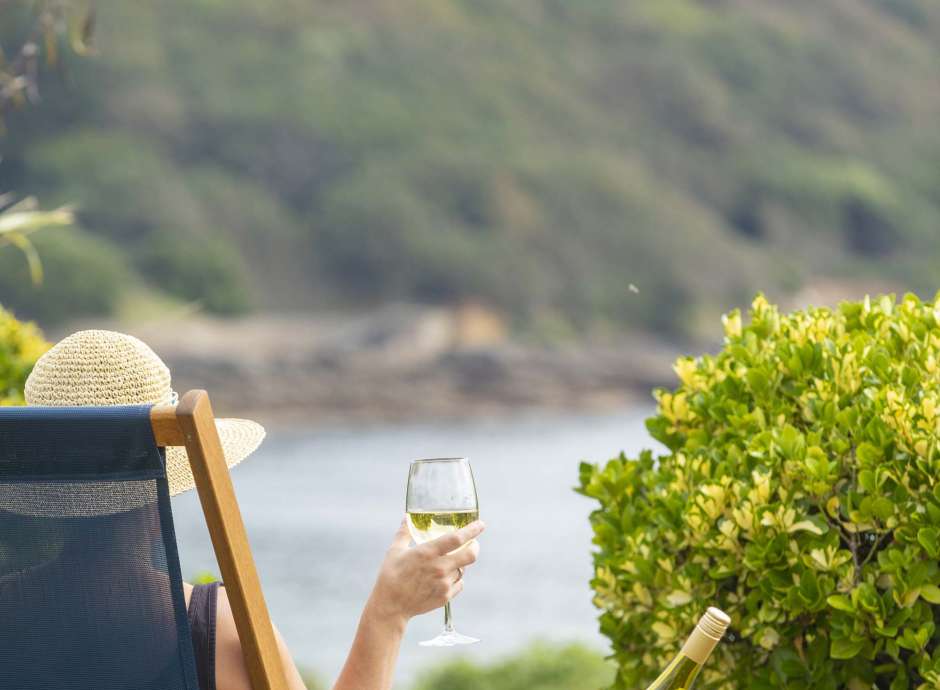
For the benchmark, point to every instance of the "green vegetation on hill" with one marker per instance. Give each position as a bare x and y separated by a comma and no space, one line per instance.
539,155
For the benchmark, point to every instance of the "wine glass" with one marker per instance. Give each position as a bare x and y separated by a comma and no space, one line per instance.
441,498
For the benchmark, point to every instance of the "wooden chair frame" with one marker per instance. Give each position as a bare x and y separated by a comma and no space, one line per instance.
192,424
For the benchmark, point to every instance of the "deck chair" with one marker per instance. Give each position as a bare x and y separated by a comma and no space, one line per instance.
91,595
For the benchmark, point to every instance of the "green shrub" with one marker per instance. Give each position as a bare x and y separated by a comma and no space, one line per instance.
540,667
799,492
21,344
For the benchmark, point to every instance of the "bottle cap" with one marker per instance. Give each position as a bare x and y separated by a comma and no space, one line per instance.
709,631
714,623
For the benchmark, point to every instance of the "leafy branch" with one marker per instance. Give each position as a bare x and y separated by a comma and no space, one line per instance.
19,219
51,22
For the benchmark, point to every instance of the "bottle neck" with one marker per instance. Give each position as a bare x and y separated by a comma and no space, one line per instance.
699,645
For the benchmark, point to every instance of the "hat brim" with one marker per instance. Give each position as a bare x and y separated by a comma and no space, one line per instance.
239,438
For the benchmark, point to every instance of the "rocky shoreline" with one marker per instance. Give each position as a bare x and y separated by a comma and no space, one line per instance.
410,362
399,363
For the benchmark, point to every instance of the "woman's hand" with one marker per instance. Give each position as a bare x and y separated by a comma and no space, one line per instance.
411,581
416,580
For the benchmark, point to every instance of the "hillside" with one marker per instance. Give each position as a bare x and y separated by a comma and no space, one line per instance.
538,155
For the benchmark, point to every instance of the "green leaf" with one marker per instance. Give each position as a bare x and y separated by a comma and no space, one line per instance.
25,222
792,442
882,508
23,218
22,243
807,526
81,31
868,454
845,648
840,602
929,538
930,593
900,681
758,381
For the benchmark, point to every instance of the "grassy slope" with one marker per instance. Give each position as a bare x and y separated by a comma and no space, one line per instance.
539,154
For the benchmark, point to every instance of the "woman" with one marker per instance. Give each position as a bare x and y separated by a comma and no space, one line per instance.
102,368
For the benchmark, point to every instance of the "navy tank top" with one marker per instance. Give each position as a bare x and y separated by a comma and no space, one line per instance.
202,614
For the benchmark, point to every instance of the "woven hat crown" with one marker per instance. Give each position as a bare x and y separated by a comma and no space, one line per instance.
99,368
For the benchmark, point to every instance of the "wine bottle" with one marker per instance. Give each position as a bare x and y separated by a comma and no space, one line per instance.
681,672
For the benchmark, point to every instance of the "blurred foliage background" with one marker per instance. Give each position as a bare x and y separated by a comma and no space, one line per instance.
537,155
540,666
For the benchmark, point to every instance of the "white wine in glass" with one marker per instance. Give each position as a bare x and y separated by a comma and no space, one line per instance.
441,498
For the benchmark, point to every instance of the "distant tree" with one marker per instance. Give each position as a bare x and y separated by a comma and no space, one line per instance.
868,231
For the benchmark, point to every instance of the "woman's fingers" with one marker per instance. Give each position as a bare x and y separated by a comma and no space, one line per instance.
402,537
455,589
414,581
463,557
453,541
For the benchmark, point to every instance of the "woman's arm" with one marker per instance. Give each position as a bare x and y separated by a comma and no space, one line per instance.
410,582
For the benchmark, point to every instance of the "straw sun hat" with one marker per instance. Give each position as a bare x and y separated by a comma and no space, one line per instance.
104,368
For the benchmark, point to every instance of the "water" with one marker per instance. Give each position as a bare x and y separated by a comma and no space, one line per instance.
321,508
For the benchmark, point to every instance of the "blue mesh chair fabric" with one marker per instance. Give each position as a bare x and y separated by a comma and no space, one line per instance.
91,596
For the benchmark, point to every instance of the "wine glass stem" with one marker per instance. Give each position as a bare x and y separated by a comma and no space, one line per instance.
448,620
